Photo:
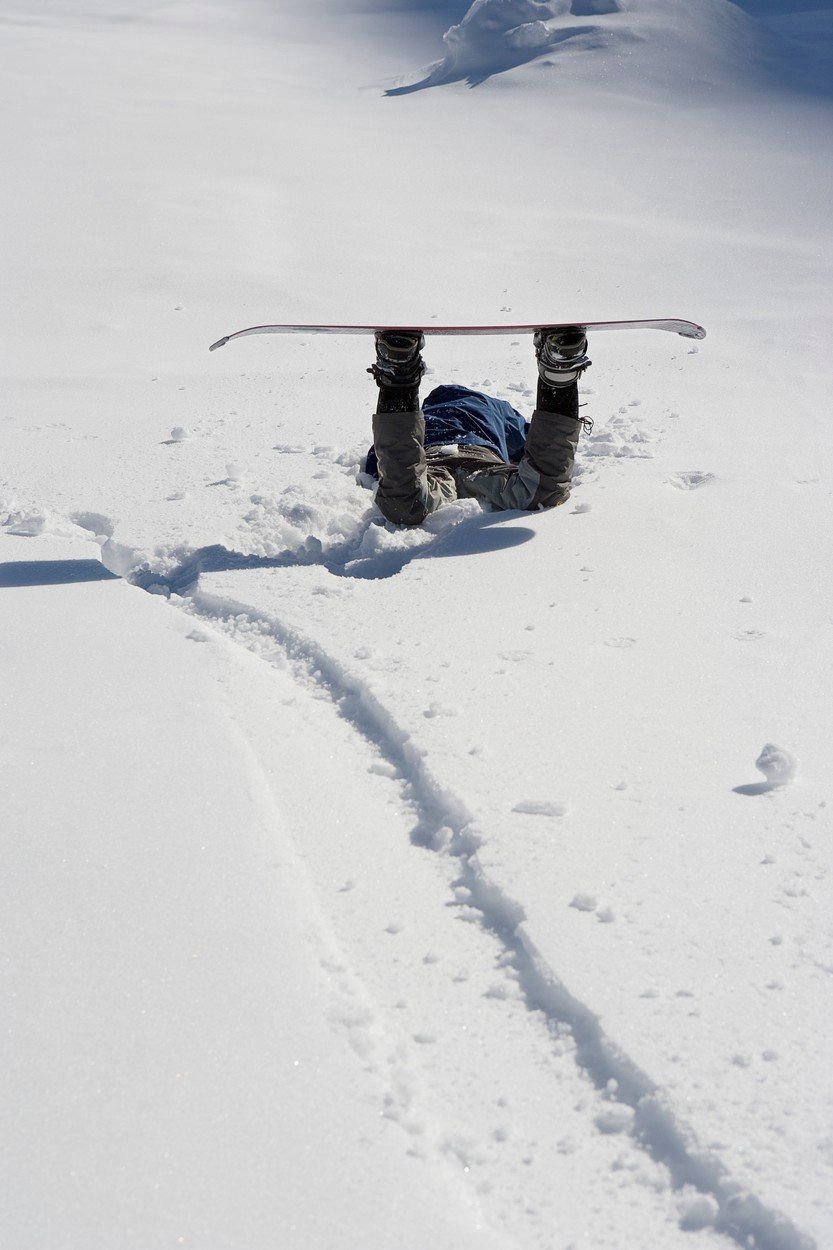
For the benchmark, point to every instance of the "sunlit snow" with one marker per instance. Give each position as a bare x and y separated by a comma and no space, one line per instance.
467,885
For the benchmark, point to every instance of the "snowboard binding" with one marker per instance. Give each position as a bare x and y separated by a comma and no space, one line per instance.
398,369
398,361
561,354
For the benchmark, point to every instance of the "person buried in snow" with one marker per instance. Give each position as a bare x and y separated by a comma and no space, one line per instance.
463,444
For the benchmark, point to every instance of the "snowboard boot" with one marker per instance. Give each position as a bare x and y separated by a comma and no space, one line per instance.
398,369
562,357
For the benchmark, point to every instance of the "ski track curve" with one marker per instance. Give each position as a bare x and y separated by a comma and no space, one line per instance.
446,825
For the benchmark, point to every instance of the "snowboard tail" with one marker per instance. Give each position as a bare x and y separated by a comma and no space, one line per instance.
688,329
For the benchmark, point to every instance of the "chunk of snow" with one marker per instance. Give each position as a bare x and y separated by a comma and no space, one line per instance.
530,35
696,1210
584,902
777,764
178,433
614,1119
27,524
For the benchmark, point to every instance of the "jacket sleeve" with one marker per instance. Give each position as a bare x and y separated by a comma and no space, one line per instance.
542,479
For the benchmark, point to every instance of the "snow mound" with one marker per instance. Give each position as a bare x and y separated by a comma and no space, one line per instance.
496,35
700,44
33,522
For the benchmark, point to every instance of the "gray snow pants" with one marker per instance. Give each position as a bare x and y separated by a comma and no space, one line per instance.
413,483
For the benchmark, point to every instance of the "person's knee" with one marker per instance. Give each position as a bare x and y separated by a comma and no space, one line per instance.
402,509
550,499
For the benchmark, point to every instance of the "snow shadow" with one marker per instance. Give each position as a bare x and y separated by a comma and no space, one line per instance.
799,37
479,535
53,572
757,787
777,8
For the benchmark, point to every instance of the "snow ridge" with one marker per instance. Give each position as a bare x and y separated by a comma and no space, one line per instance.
496,35
446,824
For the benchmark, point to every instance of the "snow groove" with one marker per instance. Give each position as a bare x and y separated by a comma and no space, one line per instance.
446,825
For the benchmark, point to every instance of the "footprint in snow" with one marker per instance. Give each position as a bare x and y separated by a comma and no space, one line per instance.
233,478
539,807
438,709
693,479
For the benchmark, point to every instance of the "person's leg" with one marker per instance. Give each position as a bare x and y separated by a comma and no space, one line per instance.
556,426
408,489
542,479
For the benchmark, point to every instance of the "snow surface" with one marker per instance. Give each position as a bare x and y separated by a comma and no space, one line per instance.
378,887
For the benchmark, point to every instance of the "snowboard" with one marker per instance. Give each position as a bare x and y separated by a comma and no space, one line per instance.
688,329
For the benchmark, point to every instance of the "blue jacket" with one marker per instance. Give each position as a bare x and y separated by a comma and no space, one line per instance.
455,414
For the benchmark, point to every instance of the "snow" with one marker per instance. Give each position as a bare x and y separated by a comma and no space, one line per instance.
435,893
777,765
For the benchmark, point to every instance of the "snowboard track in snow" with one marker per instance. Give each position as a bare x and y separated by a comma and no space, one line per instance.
445,824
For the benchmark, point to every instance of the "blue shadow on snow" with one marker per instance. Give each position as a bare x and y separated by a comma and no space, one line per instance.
53,572
481,535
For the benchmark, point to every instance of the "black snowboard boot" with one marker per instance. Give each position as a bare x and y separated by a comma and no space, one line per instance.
398,369
561,354
562,357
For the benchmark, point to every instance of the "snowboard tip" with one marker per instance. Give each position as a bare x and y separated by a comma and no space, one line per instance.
220,343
